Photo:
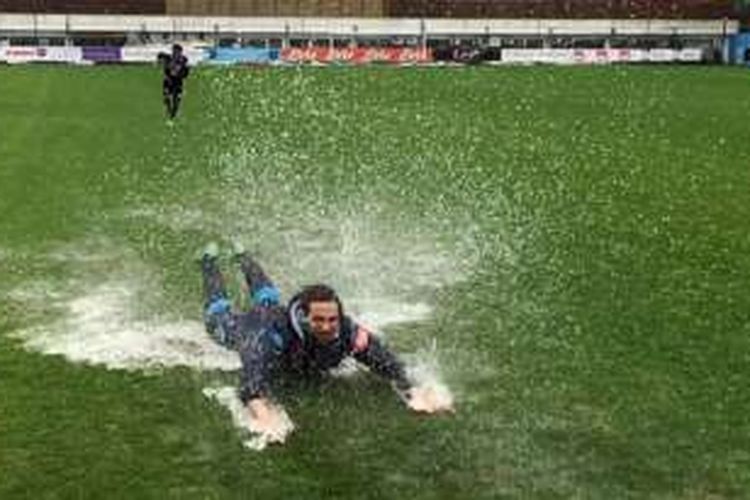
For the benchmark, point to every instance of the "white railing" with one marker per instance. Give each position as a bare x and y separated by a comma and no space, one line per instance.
65,24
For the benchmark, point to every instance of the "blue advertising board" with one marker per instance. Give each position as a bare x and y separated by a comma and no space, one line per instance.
246,55
739,49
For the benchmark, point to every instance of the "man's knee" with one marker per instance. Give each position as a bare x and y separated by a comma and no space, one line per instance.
219,321
266,295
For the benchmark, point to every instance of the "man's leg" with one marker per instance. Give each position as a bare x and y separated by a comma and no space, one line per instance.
261,289
167,96
220,322
176,97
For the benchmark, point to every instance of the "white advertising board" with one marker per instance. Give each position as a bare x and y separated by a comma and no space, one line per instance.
148,53
20,55
599,56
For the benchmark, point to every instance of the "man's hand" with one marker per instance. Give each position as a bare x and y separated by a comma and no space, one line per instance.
426,399
361,340
260,409
269,420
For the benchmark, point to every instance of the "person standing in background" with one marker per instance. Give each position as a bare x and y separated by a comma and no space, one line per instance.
175,67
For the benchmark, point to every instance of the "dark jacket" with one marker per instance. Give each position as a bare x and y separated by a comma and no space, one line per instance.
275,342
175,69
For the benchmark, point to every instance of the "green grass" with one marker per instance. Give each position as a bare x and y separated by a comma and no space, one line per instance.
598,338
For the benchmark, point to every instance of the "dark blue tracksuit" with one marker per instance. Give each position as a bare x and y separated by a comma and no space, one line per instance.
272,339
176,69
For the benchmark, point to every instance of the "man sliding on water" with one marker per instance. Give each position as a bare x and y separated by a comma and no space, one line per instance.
309,336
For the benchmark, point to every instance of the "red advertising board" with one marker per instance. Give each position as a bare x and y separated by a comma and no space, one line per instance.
359,55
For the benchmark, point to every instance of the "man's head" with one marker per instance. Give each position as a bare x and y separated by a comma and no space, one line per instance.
323,311
176,49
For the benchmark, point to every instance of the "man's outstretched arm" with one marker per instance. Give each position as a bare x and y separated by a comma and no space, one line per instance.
369,350
259,356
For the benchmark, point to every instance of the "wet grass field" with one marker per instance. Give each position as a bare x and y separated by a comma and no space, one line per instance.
568,247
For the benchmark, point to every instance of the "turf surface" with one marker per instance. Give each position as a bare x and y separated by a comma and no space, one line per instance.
582,235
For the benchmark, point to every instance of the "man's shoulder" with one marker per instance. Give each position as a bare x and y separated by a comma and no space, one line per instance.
278,319
348,324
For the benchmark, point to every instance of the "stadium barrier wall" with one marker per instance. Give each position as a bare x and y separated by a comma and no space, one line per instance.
248,55
358,55
599,56
89,55
296,55
148,53
354,56
102,54
21,55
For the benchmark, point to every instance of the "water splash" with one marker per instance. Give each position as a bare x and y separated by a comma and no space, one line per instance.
99,328
384,276
423,369
257,440
112,323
